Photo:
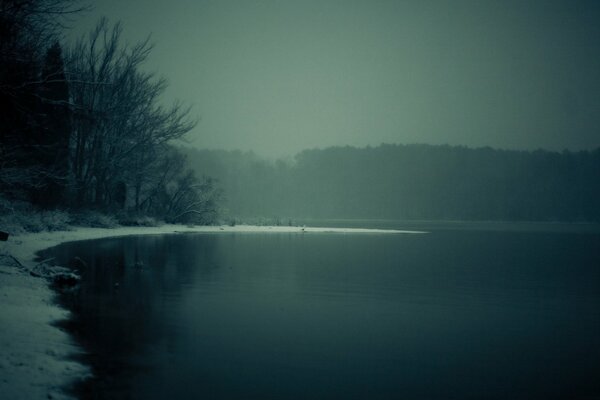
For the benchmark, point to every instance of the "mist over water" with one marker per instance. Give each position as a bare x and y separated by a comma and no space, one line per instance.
456,313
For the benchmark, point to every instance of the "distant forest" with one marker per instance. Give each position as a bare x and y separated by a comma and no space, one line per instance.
409,182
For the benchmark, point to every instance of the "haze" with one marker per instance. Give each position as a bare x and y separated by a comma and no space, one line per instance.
277,77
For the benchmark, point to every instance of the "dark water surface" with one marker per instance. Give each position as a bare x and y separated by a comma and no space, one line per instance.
453,314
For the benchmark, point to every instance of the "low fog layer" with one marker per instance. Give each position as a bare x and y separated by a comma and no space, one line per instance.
408,182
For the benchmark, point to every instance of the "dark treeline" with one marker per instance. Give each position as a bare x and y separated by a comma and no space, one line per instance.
410,182
83,126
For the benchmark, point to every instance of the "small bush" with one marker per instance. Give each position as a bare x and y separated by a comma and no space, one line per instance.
94,219
23,221
138,220
14,223
20,217
55,220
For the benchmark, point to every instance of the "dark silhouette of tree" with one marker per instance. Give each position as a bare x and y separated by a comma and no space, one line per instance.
50,144
27,29
117,115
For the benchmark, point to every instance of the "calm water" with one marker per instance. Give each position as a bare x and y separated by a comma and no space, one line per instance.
458,313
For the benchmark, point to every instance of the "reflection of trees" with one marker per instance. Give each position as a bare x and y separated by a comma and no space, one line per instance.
124,301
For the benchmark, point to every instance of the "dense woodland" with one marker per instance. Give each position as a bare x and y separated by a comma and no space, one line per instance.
82,125
409,182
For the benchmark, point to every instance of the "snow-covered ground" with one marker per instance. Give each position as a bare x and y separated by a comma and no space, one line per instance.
35,355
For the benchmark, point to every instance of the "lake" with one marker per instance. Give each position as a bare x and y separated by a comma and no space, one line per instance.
466,311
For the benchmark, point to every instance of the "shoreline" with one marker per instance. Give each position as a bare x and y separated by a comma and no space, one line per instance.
37,357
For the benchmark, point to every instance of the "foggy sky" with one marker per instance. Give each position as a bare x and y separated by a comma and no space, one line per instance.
277,77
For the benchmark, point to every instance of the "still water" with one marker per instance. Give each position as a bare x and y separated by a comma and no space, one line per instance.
457,313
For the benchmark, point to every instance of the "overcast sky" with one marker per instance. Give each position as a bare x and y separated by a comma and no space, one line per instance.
277,77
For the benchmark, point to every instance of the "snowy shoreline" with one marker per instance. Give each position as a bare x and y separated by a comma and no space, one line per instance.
36,357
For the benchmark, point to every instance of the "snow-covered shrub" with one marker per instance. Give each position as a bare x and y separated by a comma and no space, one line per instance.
55,220
94,219
19,217
138,220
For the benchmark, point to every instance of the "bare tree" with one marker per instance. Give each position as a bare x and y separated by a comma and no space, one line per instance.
174,193
118,115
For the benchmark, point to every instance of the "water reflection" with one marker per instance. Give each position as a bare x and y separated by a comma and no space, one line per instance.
129,284
451,314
